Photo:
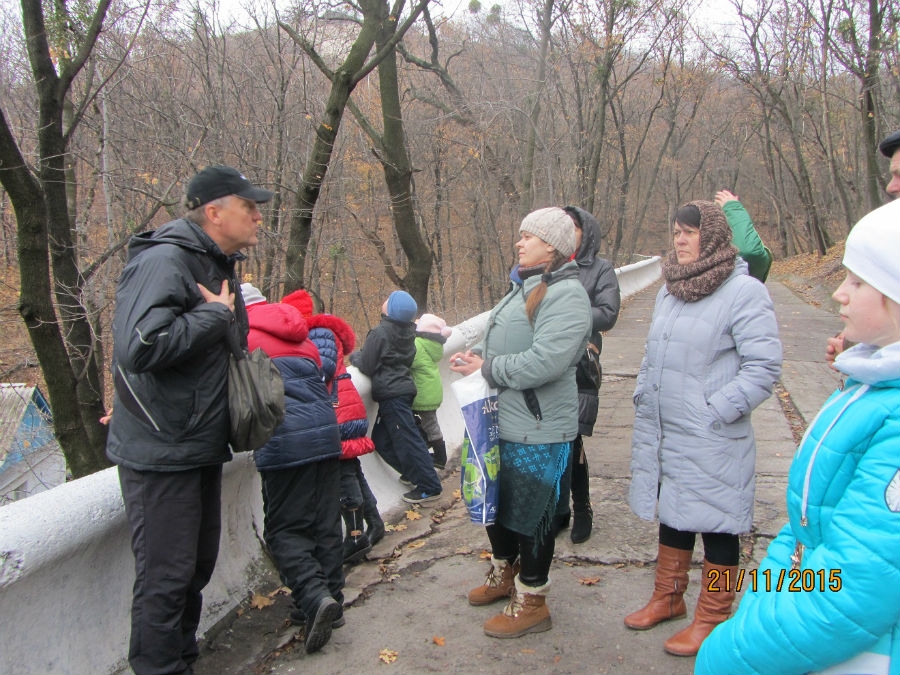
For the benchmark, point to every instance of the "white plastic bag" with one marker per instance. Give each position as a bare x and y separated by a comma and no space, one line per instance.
480,455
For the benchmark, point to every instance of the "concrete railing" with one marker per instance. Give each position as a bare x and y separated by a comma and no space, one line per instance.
66,568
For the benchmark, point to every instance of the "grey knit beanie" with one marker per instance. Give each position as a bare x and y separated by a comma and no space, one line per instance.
554,226
251,294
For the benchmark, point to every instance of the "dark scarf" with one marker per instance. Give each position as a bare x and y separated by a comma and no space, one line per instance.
694,281
526,272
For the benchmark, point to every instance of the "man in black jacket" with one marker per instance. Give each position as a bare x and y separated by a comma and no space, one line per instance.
176,304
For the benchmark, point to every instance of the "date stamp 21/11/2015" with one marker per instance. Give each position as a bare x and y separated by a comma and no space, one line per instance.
766,581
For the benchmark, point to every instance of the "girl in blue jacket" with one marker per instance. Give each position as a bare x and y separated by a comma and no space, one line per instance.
827,595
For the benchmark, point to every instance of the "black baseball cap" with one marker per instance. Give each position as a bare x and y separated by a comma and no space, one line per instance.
889,145
219,181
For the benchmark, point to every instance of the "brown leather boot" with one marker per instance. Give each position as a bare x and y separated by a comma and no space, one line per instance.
498,584
712,609
667,601
526,612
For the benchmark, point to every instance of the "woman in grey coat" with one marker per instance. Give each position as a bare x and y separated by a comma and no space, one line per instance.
712,356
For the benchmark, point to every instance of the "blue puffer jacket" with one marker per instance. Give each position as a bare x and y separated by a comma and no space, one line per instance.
844,505
309,432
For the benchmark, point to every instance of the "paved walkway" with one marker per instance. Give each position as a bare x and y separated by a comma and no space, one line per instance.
410,597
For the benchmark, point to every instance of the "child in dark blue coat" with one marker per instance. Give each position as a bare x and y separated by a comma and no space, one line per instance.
386,357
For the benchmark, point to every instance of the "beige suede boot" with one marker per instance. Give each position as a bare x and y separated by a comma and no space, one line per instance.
498,585
526,612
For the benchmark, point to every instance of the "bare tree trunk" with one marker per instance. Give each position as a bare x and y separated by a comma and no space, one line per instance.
394,157
343,82
545,24
870,82
66,346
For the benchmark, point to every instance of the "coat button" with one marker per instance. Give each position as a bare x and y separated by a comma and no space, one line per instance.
655,387
717,426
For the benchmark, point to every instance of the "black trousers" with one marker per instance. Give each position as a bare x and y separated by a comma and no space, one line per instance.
355,490
175,520
575,481
398,440
534,556
719,548
303,530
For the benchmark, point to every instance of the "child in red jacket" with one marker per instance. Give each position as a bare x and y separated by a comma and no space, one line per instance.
334,338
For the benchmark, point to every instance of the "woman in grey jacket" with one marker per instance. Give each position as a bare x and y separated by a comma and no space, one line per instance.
712,356
534,338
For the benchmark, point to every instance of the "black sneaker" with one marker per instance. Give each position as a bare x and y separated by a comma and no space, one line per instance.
318,630
418,496
298,618
339,622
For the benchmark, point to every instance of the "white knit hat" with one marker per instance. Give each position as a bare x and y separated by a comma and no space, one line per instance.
251,295
554,226
872,251
429,323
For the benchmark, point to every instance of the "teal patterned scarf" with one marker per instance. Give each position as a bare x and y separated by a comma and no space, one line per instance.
529,485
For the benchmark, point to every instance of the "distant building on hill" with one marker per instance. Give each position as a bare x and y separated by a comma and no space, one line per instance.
30,458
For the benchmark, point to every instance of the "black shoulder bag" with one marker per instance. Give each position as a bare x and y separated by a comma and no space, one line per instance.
255,397
588,372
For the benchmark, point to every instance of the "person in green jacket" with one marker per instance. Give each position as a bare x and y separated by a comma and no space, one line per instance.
744,235
431,334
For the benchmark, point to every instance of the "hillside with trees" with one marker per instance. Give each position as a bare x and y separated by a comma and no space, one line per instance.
404,146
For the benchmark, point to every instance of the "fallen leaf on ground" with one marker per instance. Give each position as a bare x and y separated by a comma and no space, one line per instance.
416,544
387,655
588,581
526,651
281,590
413,515
395,528
260,601
457,494
485,555
439,641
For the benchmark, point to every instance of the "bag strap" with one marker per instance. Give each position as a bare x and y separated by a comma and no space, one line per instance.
334,387
237,351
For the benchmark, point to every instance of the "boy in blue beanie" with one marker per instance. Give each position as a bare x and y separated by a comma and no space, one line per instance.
386,357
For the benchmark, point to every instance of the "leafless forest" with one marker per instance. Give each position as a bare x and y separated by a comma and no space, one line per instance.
405,146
